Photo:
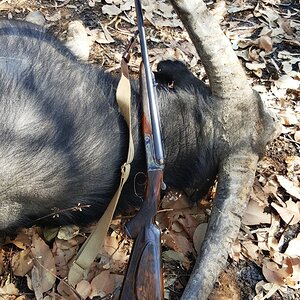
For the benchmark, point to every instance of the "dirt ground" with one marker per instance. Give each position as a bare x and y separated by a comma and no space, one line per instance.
266,37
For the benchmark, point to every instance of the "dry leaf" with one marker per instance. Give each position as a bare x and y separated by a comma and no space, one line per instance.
188,222
91,3
24,237
274,274
44,271
50,233
83,288
250,250
289,214
287,82
265,31
287,67
107,34
265,290
237,8
127,5
236,249
66,291
181,220
115,249
255,214
288,116
253,54
53,18
255,66
285,24
244,43
63,251
293,166
22,262
270,15
293,249
7,290
219,10
260,193
114,253
292,188
265,43
176,227
24,297
68,232
199,235
104,284
171,255
111,10
111,244
177,242
262,237
165,9
294,279
98,36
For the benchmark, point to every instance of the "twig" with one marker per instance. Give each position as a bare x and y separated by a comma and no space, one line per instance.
60,5
56,212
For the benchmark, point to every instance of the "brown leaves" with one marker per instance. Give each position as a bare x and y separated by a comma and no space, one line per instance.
285,268
179,222
43,274
292,187
44,266
265,43
158,13
290,213
268,56
9,291
22,262
183,226
105,283
264,245
35,260
255,214
64,251
273,273
199,235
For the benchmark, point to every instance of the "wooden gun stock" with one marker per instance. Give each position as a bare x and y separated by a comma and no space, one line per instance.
144,280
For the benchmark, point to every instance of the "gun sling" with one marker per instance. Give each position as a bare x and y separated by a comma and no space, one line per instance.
89,250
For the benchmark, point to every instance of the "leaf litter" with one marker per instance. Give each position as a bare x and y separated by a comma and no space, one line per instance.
265,36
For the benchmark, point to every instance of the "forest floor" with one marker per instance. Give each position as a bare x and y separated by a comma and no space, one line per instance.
265,260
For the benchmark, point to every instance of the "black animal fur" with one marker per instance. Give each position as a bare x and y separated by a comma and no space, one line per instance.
63,139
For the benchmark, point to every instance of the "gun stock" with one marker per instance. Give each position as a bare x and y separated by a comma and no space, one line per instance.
144,278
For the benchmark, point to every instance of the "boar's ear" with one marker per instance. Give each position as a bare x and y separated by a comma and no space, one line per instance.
235,179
